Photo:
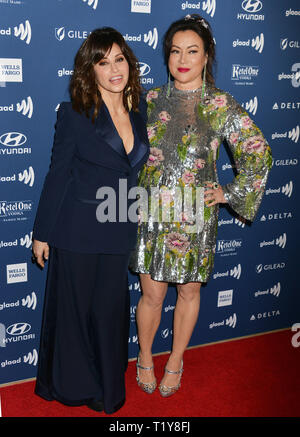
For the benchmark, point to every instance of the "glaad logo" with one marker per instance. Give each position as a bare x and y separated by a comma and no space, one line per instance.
93,3
231,221
151,38
27,176
26,240
209,6
251,105
26,107
294,76
291,12
23,32
133,339
64,72
235,273
275,291
135,287
286,189
280,241
257,43
30,301
231,322
285,43
31,358
293,135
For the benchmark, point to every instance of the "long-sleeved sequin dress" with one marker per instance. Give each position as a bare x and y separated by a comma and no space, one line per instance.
177,231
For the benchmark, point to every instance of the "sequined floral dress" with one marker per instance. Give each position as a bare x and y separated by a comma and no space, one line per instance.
177,244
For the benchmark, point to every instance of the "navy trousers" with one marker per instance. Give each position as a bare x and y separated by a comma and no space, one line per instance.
83,352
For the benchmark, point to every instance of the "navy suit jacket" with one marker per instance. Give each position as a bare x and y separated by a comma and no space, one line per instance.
85,157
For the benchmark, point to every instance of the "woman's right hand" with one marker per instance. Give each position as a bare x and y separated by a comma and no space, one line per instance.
40,250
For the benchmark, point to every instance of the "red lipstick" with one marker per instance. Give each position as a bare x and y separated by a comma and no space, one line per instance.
183,70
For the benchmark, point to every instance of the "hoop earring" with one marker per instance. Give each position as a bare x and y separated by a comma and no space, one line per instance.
169,85
203,81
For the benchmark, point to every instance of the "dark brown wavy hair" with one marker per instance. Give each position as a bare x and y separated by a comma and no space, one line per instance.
84,91
199,25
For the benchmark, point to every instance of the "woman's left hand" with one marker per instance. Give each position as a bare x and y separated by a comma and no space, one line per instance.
214,194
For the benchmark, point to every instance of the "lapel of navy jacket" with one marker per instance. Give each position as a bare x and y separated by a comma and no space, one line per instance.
85,157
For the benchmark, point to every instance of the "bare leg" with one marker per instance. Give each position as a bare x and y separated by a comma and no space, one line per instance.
185,317
148,315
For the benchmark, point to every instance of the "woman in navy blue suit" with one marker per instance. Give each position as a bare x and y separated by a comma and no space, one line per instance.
99,147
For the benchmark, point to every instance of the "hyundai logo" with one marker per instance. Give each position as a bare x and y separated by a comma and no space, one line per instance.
13,139
144,68
252,6
18,328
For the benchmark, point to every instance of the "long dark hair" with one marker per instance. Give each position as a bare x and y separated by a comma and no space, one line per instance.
199,25
83,88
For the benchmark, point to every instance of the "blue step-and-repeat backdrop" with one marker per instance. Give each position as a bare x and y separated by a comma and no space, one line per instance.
254,286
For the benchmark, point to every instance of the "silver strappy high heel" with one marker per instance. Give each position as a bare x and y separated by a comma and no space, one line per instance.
147,387
165,390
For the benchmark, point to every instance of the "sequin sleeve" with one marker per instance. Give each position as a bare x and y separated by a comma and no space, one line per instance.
253,161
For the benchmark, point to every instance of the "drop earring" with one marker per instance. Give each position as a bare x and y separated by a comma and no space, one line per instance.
129,99
203,81
169,85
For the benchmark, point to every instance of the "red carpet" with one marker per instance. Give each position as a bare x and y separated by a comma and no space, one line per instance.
251,377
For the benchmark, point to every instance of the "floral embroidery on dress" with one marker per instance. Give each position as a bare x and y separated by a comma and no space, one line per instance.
184,148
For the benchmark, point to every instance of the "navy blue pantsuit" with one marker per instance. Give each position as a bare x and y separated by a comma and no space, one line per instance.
84,338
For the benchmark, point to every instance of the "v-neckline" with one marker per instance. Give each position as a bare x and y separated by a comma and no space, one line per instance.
117,133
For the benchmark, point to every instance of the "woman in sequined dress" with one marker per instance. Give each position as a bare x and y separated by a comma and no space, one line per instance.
187,122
